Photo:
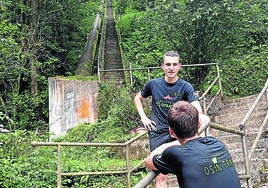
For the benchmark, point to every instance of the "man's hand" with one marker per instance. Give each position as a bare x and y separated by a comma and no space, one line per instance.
204,120
148,123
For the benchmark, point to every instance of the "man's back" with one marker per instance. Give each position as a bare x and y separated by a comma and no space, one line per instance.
200,163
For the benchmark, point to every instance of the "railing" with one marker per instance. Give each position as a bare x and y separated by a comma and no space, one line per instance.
219,92
125,145
242,127
216,81
247,158
149,69
100,63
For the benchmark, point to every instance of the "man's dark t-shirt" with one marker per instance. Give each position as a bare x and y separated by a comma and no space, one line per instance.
200,163
164,95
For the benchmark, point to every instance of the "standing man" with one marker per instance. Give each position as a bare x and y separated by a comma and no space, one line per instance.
198,162
165,91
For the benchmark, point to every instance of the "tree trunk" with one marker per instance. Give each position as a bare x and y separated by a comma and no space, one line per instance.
33,50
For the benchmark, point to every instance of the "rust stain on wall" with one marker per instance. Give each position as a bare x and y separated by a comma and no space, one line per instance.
83,110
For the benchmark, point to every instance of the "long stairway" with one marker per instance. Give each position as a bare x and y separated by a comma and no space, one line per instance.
112,56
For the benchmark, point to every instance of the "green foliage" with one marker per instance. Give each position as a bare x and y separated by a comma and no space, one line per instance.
39,39
202,32
246,75
127,20
23,165
116,109
79,133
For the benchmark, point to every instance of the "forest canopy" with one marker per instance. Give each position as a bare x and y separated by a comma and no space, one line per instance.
231,33
41,39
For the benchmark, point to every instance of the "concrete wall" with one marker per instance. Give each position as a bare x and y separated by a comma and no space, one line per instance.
71,102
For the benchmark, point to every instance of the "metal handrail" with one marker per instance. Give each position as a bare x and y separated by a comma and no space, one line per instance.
147,179
256,141
217,80
247,157
131,69
247,116
101,44
125,145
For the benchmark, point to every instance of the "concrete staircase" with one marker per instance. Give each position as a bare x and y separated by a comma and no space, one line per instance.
112,56
230,113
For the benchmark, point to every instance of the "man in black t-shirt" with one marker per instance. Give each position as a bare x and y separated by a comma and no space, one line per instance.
165,91
198,162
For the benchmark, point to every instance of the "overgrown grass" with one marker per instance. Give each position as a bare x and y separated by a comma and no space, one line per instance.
25,166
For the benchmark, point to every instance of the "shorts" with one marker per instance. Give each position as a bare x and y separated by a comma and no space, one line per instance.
156,139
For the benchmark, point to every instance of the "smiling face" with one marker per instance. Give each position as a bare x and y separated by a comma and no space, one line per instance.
171,67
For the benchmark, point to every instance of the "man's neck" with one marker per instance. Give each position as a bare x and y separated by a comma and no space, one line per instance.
171,80
184,140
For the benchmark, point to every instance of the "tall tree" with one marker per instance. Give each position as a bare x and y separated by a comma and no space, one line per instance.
41,38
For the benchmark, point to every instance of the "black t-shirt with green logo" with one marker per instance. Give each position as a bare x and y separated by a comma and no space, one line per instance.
200,163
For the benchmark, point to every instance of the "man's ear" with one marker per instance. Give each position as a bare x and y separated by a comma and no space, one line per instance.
162,66
172,134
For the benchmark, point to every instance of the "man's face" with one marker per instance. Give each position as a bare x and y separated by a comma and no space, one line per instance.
171,66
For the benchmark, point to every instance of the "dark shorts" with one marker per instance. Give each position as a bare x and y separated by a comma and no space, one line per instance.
156,139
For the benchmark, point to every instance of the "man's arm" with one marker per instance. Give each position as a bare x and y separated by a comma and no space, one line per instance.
197,105
148,123
204,120
149,160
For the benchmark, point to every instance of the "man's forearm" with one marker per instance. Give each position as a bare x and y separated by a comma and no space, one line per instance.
158,150
162,147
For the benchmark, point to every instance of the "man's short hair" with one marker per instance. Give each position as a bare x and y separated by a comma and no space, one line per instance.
171,53
183,119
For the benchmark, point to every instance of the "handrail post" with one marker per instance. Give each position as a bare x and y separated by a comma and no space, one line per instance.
204,105
59,166
218,73
128,167
246,159
130,74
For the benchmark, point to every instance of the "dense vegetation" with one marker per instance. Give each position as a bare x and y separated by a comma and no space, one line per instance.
25,166
231,33
39,39
42,38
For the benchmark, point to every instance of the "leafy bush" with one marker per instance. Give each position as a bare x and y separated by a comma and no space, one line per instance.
25,166
232,33
117,112
246,75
